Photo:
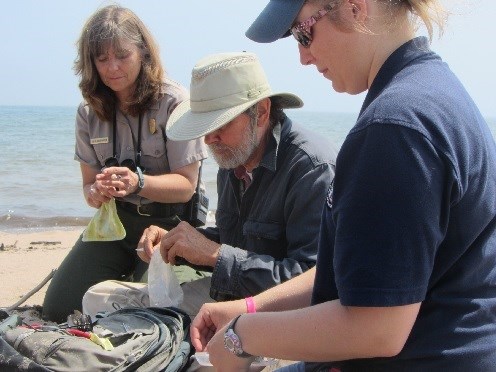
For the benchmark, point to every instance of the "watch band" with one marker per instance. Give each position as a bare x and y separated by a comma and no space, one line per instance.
141,181
232,341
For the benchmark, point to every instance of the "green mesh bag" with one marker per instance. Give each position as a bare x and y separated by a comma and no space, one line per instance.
105,225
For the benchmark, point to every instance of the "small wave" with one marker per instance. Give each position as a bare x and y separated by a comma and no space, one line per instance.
10,222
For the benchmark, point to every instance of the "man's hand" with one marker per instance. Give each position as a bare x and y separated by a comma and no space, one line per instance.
184,241
150,240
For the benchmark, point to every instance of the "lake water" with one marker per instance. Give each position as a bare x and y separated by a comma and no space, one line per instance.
40,183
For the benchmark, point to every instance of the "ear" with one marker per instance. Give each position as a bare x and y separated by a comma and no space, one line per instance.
359,9
263,108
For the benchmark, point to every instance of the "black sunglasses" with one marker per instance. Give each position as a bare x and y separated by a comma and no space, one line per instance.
302,31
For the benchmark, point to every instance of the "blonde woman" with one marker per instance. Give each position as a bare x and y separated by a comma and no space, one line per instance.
405,276
123,151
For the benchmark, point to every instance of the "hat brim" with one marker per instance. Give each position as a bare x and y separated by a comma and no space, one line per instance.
183,124
274,21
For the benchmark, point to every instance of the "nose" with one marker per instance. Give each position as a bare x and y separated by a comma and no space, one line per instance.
113,64
305,55
210,138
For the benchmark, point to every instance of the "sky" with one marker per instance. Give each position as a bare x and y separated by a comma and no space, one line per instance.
38,48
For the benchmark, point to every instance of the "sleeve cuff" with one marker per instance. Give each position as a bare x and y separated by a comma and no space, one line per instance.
227,272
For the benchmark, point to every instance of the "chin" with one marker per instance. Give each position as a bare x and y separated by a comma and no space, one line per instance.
348,90
337,88
357,90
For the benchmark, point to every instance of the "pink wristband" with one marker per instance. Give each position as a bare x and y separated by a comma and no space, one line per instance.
250,305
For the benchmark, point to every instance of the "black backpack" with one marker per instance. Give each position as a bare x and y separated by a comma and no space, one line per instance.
143,339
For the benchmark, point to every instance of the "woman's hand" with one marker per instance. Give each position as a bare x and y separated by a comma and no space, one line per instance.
212,317
120,181
96,194
95,191
222,359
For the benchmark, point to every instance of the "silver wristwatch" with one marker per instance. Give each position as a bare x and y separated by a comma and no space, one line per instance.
232,341
141,180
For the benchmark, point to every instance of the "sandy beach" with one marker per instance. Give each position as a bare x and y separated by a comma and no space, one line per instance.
26,258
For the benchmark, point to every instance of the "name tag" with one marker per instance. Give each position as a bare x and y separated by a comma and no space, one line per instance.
96,141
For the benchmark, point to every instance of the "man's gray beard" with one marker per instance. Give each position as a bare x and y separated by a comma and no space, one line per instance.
237,156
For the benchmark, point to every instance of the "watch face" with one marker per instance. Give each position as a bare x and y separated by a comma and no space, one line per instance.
229,344
232,343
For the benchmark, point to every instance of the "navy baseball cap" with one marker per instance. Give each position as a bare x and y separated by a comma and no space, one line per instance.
274,21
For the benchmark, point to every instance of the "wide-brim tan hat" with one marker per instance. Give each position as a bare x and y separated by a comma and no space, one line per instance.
222,87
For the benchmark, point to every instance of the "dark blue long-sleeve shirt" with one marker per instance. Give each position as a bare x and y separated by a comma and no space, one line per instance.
270,233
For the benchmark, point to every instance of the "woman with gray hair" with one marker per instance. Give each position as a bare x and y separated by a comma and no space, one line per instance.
123,152
405,276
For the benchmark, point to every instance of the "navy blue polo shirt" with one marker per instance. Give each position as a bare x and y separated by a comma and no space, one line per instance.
411,216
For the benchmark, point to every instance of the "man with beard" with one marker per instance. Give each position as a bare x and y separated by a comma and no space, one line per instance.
273,179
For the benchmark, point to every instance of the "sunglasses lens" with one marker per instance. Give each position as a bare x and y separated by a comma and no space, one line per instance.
129,163
111,162
301,36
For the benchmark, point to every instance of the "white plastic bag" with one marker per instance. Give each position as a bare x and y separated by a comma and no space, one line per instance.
163,286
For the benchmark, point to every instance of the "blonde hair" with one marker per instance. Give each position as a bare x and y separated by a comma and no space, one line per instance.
110,26
430,12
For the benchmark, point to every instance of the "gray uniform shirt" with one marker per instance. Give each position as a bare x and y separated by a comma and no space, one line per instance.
270,233
94,142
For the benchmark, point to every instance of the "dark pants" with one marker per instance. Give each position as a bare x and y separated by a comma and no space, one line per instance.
89,263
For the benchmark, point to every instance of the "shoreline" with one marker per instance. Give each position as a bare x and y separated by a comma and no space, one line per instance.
22,224
26,224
